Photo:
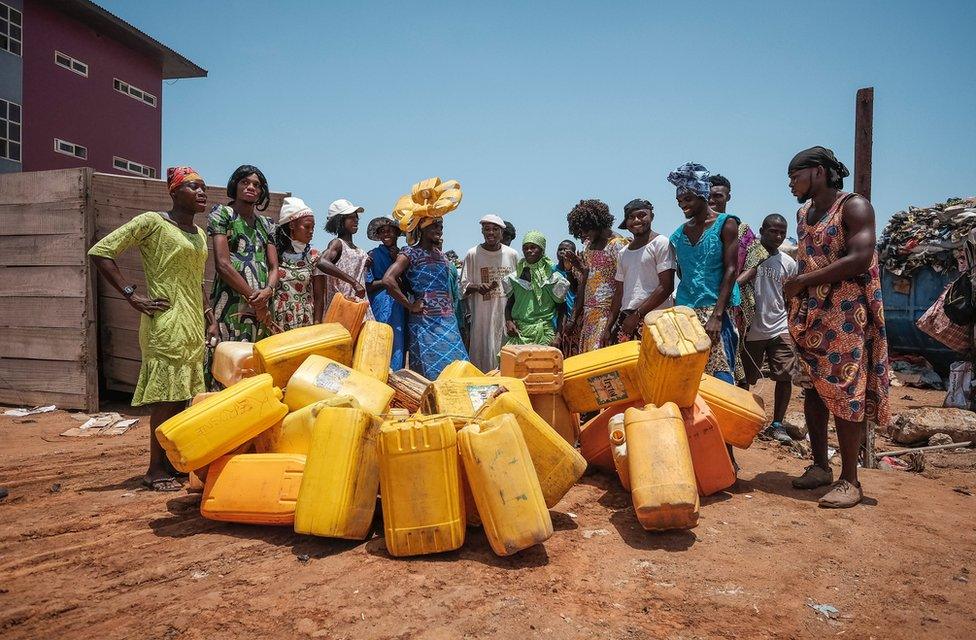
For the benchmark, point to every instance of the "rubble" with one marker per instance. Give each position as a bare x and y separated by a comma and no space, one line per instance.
932,236
918,425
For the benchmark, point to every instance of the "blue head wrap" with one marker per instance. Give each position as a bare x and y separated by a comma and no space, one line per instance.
692,177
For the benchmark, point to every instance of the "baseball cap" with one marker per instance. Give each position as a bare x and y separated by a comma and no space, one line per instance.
634,205
343,207
493,219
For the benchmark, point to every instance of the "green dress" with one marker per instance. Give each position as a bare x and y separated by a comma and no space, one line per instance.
535,302
171,341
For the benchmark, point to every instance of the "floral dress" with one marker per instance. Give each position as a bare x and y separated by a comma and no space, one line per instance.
598,294
293,303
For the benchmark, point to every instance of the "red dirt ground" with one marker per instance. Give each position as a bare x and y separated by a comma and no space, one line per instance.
102,558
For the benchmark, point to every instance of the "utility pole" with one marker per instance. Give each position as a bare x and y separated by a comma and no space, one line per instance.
863,144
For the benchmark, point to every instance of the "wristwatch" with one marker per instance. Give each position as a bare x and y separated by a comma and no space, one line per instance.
127,291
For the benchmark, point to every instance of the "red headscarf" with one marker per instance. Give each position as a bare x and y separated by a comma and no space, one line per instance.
176,176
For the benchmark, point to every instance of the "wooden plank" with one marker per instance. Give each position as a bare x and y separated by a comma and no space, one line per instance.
43,281
24,311
49,218
55,376
20,398
121,343
863,144
90,343
43,343
116,312
43,186
121,370
43,250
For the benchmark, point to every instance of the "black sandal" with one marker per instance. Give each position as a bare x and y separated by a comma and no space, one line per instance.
162,484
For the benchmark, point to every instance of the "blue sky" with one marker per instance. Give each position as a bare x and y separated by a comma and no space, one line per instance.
533,106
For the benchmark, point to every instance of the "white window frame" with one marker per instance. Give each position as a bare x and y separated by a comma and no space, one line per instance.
134,92
19,123
135,168
75,148
71,63
8,23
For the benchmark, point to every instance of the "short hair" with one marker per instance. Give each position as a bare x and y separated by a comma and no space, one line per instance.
567,241
509,230
718,180
589,215
242,172
774,217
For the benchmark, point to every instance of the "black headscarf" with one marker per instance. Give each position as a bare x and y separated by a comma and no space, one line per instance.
821,157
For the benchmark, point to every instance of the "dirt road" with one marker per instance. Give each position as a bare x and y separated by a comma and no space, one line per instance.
85,553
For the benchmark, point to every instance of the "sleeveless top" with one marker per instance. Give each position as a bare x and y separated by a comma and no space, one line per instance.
701,266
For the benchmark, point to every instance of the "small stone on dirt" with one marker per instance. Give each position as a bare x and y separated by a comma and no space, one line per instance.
3,493
56,487
303,558
939,438
589,533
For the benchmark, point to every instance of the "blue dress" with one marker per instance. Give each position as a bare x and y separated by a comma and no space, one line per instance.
385,308
434,340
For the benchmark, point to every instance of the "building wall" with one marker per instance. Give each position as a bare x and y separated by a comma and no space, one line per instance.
59,103
11,87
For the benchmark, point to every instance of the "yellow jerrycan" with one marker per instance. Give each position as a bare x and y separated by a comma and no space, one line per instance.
618,447
253,488
460,369
465,396
557,464
595,435
552,408
281,354
233,361
321,378
674,350
539,367
338,494
740,414
349,312
374,347
202,433
294,433
504,483
662,478
408,387
601,378
420,486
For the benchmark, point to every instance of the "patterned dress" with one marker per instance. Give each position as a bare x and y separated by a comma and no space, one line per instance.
434,339
598,294
384,307
293,304
236,319
352,261
839,327
171,341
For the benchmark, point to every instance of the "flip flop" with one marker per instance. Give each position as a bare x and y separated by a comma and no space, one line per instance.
162,484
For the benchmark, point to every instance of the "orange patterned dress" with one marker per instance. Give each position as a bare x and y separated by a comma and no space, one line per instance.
839,327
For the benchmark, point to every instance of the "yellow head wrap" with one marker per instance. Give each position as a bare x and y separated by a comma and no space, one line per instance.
427,201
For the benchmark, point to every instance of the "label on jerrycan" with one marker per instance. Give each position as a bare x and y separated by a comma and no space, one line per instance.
331,377
608,388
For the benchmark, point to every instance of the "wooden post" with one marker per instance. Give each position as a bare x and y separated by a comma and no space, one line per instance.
863,143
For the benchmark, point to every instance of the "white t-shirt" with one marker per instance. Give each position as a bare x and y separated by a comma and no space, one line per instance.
638,270
770,320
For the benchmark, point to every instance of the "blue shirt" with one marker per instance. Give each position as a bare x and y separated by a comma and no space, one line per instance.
701,267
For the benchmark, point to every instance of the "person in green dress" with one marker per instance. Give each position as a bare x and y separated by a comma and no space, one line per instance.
171,330
536,295
246,260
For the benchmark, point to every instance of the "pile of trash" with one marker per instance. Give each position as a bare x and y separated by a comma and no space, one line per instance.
313,427
932,236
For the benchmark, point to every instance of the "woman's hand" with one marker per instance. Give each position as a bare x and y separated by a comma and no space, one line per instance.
416,307
714,328
259,299
792,287
213,335
510,328
146,305
359,289
629,326
574,260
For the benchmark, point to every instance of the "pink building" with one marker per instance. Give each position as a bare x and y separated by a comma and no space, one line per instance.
91,90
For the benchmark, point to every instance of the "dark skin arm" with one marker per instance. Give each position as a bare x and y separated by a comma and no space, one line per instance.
510,327
858,219
401,264
143,304
213,334
618,294
664,289
730,259
226,270
318,298
327,265
747,275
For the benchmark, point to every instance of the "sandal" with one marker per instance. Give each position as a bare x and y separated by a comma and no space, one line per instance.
162,484
843,495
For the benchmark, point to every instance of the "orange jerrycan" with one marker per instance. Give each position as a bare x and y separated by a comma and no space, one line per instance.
322,378
420,487
739,413
601,378
464,396
349,312
408,388
374,347
202,433
673,354
595,435
294,433
338,494
552,408
460,369
504,483
540,368
662,478
713,466
233,361
557,464
281,354
253,488
618,447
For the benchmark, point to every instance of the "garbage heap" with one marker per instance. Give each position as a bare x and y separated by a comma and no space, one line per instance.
313,426
932,236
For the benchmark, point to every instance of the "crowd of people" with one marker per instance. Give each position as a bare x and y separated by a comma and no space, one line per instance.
816,319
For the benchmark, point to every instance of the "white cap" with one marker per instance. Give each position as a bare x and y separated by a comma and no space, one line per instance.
292,208
493,219
343,207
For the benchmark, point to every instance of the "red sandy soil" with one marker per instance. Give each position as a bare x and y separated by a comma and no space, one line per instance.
86,553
